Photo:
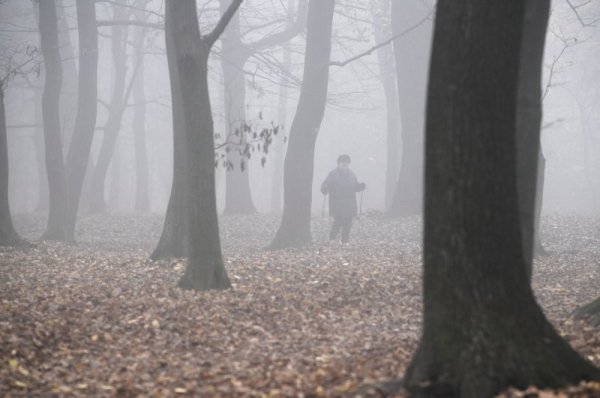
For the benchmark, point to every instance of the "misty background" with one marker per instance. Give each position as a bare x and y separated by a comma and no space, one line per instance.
355,117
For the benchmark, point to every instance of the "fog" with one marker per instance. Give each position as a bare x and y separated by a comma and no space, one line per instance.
354,121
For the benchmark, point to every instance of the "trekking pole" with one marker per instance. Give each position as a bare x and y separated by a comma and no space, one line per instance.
323,207
361,201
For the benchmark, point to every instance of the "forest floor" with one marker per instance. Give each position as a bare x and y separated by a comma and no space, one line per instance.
101,319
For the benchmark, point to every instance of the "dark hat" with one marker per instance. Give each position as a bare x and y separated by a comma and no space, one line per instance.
343,159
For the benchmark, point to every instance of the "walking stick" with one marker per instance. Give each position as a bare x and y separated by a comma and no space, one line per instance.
323,207
361,201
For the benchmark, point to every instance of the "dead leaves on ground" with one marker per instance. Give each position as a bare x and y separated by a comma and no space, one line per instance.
100,319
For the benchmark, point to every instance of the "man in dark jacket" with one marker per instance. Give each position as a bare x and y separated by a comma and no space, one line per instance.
341,185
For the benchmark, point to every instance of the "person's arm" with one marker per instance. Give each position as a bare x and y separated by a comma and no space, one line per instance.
358,186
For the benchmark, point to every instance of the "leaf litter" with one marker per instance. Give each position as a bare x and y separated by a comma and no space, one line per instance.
101,319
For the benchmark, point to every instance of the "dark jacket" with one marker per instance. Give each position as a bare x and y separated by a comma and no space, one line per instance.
341,184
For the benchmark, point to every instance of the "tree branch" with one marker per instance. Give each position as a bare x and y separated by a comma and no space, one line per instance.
575,10
212,37
385,43
131,23
286,35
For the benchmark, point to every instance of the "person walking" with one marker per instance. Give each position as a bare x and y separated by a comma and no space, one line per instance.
341,185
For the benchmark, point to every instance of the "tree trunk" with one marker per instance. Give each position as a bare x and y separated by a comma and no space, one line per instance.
539,249
299,160
115,114
412,58
482,328
591,311
385,57
279,144
85,121
68,94
43,192
238,197
173,240
189,56
529,121
8,235
57,184
142,193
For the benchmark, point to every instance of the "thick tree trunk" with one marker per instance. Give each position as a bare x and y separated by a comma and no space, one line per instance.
387,71
412,58
299,160
482,328
529,121
8,235
238,197
85,121
57,184
189,56
115,114
142,192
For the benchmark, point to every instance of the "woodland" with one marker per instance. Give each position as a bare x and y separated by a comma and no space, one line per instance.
162,230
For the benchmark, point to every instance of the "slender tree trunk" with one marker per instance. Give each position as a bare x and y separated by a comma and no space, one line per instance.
387,71
8,235
68,94
189,56
115,114
238,197
482,328
173,240
43,192
142,192
539,196
412,57
280,147
85,121
299,160
57,184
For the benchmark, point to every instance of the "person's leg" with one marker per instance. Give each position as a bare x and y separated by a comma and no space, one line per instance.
335,228
347,224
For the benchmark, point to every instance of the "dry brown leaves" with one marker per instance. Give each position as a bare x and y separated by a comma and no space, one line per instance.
100,319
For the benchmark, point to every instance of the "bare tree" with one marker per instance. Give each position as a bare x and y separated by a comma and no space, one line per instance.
187,54
412,53
482,328
299,160
55,169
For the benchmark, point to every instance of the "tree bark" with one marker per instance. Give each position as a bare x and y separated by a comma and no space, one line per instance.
57,183
8,235
189,60
238,197
85,121
482,328
412,58
115,114
299,160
